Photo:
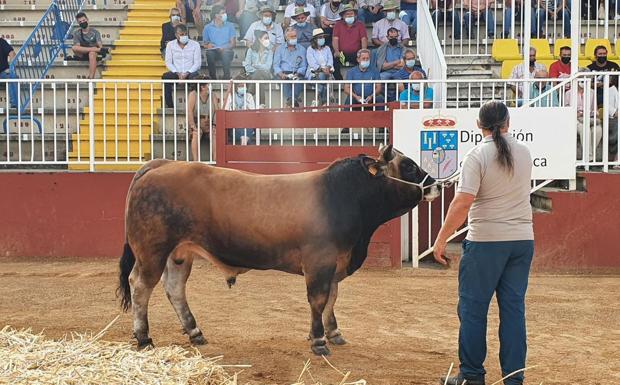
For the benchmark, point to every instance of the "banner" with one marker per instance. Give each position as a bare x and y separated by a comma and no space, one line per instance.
439,139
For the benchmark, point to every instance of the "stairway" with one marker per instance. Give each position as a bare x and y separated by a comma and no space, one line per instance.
123,128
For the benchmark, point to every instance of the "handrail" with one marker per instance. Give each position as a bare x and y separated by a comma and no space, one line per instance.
431,54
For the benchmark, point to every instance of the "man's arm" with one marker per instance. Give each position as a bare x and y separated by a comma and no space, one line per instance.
457,214
197,59
169,62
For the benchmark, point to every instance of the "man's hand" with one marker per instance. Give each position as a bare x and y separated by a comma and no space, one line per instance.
183,75
282,76
439,252
209,45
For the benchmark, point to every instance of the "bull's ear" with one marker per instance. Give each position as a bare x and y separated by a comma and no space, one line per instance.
372,166
386,154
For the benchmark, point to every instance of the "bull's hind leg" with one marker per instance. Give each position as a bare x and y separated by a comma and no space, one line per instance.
142,280
318,282
175,278
332,332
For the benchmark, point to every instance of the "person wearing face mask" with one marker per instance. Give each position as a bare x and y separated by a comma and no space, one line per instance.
518,72
219,39
290,9
561,68
583,105
388,61
302,26
248,12
258,62
329,17
601,64
363,93
410,97
167,29
238,98
370,11
289,63
391,20
410,65
348,38
267,24
87,44
201,106
320,64
183,60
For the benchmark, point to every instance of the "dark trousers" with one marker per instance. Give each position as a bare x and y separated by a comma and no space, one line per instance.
225,56
348,57
487,268
169,87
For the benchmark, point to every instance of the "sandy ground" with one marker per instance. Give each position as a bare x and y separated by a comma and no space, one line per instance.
401,325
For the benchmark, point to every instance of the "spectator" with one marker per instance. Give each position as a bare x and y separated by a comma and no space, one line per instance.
248,12
191,13
518,72
167,29
303,28
259,61
320,63
219,39
541,87
289,63
267,24
561,68
601,64
370,11
87,44
348,38
238,98
7,54
290,9
475,10
442,11
518,15
556,9
381,27
411,65
329,18
388,61
201,106
612,111
183,61
363,93
410,17
581,112
410,97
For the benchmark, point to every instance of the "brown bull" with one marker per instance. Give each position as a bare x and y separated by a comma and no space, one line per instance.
317,224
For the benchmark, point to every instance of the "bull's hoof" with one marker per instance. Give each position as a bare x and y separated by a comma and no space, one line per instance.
320,350
338,339
145,343
198,339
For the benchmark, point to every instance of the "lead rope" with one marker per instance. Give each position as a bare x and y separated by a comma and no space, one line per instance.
444,183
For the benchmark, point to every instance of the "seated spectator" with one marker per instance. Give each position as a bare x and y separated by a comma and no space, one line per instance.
290,9
541,87
595,136
389,61
219,39
320,63
518,72
289,63
381,27
348,38
329,16
268,25
191,13
7,54
363,93
370,11
410,17
259,58
167,29
475,11
183,61
248,12
518,15
87,44
556,10
411,65
410,97
238,98
601,64
303,28
612,112
443,11
201,106
560,69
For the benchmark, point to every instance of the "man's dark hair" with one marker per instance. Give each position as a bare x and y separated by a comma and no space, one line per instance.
80,15
180,28
392,29
493,115
565,48
215,10
599,47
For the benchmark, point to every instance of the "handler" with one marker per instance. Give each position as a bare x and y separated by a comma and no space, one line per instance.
497,253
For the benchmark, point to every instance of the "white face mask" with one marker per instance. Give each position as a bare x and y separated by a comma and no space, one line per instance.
415,87
183,39
265,43
175,18
391,15
349,20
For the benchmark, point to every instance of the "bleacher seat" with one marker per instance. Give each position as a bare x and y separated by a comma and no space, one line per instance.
505,49
547,63
591,44
543,51
507,66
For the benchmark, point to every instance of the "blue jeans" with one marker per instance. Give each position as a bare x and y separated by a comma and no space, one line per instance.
518,17
541,18
12,89
322,87
411,18
453,16
365,16
488,18
241,132
289,88
487,268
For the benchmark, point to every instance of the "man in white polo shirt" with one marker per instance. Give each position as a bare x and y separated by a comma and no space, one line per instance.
183,60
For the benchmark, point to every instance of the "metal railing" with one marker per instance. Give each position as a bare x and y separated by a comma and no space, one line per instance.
430,52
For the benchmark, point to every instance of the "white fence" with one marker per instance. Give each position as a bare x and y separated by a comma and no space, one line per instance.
430,52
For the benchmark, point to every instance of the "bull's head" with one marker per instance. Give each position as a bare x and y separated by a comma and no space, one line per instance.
395,165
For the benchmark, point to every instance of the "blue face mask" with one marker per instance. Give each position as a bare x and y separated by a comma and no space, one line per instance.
266,20
410,63
364,64
292,42
349,20
224,18
320,42
241,90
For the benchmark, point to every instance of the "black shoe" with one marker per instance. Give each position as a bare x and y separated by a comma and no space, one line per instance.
460,380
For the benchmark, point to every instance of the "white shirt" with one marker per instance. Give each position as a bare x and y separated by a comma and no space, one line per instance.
290,9
518,72
613,101
186,59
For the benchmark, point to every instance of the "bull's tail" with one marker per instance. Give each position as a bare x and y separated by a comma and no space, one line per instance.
126,265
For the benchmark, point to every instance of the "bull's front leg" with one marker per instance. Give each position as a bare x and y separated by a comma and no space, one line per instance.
318,282
332,332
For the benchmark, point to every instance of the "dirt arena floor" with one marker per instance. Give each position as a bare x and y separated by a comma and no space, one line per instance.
401,325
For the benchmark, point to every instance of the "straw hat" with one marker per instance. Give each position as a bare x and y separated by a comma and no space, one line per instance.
346,7
318,32
300,11
390,5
